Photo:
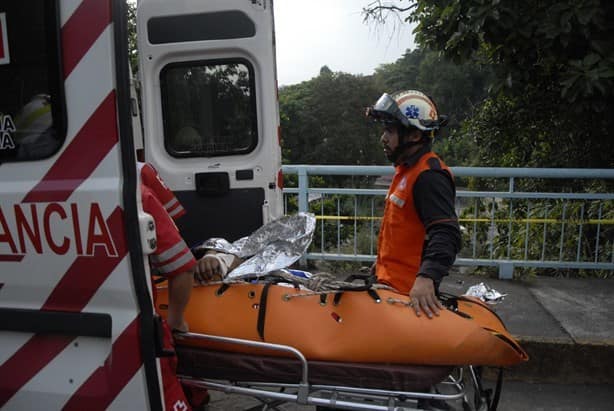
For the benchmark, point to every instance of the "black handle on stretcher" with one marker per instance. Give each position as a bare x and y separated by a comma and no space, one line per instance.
159,339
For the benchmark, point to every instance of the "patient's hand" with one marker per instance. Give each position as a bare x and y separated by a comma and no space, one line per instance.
208,268
215,265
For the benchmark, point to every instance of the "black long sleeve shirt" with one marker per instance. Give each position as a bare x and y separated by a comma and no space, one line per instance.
434,196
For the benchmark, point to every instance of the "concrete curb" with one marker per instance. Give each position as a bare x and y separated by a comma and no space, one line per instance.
562,362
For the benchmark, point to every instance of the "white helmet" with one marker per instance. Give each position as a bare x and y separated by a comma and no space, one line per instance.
33,119
411,108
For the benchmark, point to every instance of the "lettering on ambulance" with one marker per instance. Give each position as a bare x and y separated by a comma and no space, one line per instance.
7,127
56,227
4,41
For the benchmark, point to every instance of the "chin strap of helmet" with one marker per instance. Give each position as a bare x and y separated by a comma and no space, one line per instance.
402,147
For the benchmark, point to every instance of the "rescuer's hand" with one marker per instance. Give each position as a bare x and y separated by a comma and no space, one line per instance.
423,297
182,326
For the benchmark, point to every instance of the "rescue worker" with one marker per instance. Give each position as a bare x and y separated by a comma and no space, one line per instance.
151,178
419,235
174,260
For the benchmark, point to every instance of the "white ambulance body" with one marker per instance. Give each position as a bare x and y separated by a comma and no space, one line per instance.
77,324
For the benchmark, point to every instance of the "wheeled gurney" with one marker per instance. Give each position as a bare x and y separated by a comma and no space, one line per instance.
288,377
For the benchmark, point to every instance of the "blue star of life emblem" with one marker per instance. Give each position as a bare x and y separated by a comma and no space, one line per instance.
412,111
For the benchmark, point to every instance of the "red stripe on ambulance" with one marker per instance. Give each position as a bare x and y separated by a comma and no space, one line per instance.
11,257
81,157
82,29
87,273
32,357
101,388
72,293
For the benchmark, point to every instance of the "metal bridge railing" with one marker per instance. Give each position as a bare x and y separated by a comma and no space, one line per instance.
506,219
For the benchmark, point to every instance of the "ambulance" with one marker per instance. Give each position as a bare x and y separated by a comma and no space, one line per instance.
78,330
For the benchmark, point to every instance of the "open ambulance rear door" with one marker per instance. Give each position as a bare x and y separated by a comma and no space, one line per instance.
210,112
76,326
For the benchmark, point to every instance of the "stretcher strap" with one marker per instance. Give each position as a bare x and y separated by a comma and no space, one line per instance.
373,294
450,301
220,291
262,310
337,298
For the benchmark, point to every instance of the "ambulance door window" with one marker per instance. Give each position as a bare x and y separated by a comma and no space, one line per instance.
209,108
32,113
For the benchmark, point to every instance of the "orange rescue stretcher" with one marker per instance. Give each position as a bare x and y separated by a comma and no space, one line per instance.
345,349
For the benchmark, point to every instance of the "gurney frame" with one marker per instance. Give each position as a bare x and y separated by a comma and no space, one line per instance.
463,390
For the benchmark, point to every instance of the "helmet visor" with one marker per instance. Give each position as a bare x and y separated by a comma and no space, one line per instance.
387,110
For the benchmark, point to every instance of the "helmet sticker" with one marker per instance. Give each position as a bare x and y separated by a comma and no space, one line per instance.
412,111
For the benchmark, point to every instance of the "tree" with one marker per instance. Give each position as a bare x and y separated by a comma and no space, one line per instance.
322,120
554,62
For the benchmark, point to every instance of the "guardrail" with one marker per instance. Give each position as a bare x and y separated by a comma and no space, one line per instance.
506,219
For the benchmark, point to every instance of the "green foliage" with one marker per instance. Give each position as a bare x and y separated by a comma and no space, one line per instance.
538,129
133,54
555,63
567,43
553,87
322,120
551,230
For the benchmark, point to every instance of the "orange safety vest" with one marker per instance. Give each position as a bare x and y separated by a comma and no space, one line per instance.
402,233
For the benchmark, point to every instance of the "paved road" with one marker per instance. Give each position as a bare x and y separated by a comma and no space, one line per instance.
516,396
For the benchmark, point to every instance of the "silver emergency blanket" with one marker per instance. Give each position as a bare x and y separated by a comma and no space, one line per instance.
276,245
485,293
